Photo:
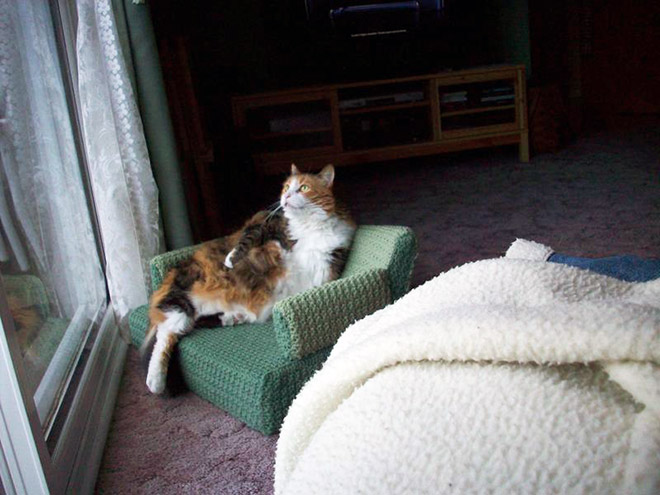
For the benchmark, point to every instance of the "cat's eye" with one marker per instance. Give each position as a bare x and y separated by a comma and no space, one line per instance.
304,188
286,187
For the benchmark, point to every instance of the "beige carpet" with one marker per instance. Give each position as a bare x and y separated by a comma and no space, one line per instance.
598,197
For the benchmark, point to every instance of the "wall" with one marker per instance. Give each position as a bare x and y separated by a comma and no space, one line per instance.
604,56
621,74
247,46
256,45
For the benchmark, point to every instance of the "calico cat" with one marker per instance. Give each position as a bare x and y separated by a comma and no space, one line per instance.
303,243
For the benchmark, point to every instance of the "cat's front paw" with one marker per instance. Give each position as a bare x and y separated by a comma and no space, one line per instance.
231,319
156,382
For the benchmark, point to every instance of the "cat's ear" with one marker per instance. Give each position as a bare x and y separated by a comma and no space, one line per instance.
294,169
327,175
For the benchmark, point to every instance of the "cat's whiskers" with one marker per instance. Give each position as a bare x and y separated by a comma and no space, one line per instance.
273,212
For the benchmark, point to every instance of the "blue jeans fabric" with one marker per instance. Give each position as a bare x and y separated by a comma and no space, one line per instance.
625,267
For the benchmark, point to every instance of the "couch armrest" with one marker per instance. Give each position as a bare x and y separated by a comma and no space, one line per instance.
314,319
163,263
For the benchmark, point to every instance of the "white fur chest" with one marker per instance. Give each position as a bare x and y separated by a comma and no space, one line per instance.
310,260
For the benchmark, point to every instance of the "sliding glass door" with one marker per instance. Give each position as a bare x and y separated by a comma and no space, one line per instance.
53,294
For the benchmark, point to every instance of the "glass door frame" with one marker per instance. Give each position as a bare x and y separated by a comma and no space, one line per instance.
26,464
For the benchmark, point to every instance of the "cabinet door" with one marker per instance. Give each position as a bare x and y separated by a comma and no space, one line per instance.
385,115
300,123
484,106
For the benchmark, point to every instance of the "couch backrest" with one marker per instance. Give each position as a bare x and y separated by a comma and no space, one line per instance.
392,248
163,263
388,247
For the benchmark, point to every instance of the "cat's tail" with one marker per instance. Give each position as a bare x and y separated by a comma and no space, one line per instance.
159,355
171,315
147,347
156,316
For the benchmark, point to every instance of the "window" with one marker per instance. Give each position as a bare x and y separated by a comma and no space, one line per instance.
57,329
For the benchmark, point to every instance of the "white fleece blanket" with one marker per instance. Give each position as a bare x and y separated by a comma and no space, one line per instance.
510,375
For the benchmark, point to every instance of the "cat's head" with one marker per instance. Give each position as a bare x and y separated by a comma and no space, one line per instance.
308,193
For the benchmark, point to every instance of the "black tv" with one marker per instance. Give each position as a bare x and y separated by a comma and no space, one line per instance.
360,18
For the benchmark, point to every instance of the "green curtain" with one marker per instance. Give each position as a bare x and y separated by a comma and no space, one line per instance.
137,37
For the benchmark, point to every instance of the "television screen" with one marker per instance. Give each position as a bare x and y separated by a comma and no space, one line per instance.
357,18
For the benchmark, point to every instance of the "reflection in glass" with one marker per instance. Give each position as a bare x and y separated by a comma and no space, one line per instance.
49,261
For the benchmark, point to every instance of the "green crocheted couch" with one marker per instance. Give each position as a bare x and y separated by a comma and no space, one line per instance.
254,371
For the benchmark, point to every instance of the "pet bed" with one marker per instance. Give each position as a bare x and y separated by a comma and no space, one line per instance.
254,371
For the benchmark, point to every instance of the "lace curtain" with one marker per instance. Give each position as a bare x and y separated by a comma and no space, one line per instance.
124,190
45,221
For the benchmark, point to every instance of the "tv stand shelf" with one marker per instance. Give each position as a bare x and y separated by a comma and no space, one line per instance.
386,119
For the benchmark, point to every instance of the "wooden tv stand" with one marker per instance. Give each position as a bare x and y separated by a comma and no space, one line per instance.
385,119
